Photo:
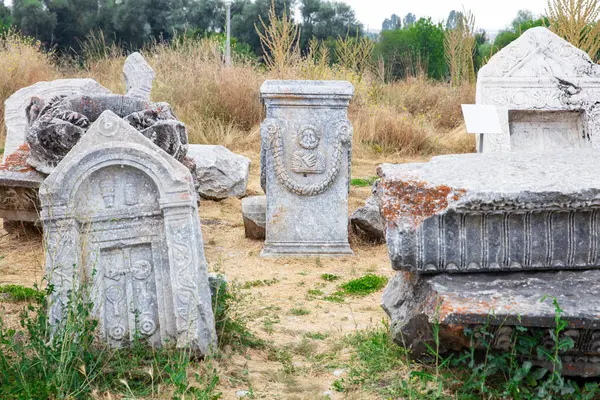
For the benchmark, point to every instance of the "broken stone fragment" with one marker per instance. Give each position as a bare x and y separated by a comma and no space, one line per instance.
254,212
15,117
367,221
57,125
138,75
497,303
492,212
220,172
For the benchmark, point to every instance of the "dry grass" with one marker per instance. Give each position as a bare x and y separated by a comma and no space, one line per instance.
577,22
222,105
22,64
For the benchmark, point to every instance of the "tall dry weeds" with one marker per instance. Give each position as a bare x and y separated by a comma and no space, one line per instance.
577,22
221,105
22,63
459,47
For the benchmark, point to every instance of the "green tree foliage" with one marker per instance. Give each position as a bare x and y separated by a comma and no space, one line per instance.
389,24
244,15
327,20
418,44
522,22
5,17
33,18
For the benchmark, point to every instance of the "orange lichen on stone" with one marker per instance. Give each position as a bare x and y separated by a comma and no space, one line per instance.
415,200
17,161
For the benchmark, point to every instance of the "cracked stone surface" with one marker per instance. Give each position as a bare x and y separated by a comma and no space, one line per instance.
15,116
545,93
368,222
497,211
497,303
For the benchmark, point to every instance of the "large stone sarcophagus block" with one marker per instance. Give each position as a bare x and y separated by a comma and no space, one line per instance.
305,167
493,212
121,214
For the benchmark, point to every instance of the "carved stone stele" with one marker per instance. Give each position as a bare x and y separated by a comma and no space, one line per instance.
492,212
121,214
546,93
306,142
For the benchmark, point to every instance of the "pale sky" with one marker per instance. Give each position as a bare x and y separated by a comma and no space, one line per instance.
491,15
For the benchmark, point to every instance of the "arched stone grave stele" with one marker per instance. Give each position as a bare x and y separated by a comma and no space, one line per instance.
120,213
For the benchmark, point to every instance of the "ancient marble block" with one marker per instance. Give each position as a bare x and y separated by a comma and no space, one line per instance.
121,214
19,184
546,93
497,303
139,76
495,211
254,213
220,172
305,166
15,116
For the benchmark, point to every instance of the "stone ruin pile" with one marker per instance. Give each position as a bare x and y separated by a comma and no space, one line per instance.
46,120
483,243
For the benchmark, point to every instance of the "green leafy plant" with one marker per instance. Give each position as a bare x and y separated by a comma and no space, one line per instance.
21,293
365,285
329,277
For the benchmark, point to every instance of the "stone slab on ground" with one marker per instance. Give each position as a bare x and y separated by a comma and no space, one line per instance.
495,211
15,116
306,147
254,212
220,172
498,302
121,213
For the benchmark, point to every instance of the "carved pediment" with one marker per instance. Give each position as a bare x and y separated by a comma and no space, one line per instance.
540,53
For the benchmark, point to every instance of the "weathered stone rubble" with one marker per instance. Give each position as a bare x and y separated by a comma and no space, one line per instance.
498,303
220,173
254,212
15,117
491,212
122,214
306,143
57,125
367,221
485,242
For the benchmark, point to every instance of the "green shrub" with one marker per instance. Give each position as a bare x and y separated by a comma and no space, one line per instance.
366,285
21,293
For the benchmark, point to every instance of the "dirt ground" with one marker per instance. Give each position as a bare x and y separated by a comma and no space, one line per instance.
284,285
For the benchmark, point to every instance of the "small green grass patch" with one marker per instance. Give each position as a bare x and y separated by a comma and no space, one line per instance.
362,182
21,293
365,285
329,277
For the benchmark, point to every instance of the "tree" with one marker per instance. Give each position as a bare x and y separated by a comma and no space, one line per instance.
34,19
5,17
389,24
409,19
247,14
325,19
522,22
417,46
